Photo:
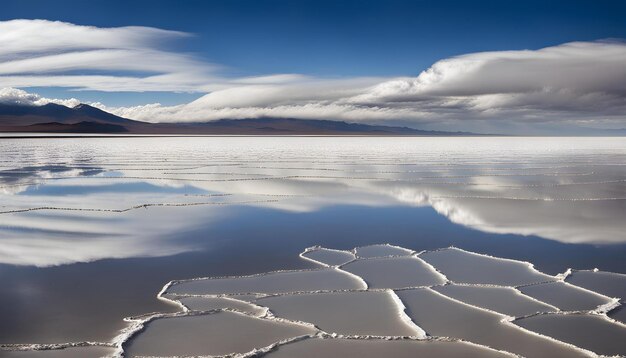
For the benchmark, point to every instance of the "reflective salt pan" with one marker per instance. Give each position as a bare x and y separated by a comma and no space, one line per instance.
591,332
214,334
564,296
395,272
346,313
440,316
503,300
340,348
466,267
213,303
74,352
276,282
606,283
328,256
381,251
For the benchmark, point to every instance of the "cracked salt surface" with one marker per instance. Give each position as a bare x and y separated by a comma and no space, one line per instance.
394,303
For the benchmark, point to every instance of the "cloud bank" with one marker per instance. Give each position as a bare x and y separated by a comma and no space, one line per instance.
579,83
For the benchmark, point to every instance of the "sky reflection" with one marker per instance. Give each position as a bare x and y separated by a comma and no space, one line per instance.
84,199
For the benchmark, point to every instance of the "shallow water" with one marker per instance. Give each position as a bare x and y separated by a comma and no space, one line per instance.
91,228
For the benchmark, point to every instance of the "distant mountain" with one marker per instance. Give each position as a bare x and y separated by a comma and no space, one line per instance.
54,118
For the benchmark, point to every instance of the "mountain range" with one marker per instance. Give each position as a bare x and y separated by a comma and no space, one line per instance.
55,118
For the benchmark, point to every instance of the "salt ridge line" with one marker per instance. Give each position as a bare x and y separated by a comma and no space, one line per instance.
421,334
140,206
445,278
265,310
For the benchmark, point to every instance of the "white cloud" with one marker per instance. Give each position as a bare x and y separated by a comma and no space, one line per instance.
21,97
43,53
573,83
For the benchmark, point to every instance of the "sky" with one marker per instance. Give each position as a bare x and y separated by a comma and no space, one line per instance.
529,67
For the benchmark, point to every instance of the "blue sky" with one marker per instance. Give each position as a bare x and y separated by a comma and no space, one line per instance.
322,39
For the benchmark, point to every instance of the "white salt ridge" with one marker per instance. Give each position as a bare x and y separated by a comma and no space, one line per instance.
200,303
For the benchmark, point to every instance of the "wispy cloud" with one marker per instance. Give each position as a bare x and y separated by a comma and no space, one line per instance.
579,82
52,53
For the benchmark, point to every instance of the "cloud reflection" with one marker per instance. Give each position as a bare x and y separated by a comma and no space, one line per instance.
574,194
